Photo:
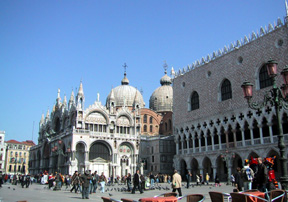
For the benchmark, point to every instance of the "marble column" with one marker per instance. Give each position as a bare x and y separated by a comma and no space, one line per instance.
261,133
243,137
251,135
271,132
206,143
212,141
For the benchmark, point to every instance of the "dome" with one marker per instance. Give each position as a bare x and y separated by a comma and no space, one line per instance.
162,98
125,93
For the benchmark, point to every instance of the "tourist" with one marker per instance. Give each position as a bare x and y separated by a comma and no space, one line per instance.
137,182
176,183
102,180
85,181
261,176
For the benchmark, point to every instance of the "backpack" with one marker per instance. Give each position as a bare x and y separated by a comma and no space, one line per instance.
246,173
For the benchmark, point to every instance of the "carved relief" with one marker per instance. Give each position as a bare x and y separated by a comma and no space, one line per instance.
96,118
123,121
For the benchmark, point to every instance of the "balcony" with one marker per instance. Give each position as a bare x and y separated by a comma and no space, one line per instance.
102,134
239,144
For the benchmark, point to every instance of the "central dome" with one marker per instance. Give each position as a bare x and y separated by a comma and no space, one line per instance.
125,95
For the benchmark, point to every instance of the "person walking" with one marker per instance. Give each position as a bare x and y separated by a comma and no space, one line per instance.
197,179
176,183
95,180
238,181
102,180
261,176
188,176
207,178
75,182
137,182
85,180
217,181
247,175
128,180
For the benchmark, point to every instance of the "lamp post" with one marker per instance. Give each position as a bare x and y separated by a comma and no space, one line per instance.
276,97
226,157
57,150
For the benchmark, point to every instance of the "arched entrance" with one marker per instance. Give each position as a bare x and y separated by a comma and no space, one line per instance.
195,168
80,157
100,156
183,169
207,167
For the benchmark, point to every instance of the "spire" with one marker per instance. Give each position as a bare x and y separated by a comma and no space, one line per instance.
71,101
172,72
125,81
47,115
80,97
72,97
112,96
42,119
65,101
80,91
58,100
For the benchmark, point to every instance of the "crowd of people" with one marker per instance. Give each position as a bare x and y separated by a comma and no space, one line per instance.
243,179
247,178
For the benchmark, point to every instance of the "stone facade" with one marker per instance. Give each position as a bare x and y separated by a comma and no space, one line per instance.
208,125
17,156
2,151
102,138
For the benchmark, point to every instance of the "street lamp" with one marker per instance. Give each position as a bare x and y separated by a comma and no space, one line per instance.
226,157
276,97
57,150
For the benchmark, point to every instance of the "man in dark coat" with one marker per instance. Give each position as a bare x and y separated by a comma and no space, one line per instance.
137,182
261,176
85,179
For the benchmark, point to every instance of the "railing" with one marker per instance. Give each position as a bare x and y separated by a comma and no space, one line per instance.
248,142
257,141
103,134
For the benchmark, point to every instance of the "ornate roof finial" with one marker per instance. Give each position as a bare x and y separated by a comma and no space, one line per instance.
165,66
125,66
125,81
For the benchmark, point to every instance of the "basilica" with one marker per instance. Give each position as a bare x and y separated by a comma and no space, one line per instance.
103,138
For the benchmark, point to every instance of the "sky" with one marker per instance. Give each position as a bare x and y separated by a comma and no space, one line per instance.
46,45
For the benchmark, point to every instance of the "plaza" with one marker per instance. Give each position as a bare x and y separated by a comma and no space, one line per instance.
37,192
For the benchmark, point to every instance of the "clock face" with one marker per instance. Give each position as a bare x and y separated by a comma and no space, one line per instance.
125,150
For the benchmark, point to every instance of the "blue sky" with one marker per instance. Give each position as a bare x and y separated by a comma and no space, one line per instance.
46,45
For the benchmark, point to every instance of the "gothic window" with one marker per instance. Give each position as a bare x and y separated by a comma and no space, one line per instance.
226,90
194,101
145,119
151,119
264,78
145,128
170,124
151,129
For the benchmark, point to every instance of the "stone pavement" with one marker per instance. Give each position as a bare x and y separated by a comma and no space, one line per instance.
37,192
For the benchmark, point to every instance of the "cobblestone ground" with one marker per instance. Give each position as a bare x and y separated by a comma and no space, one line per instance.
37,192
